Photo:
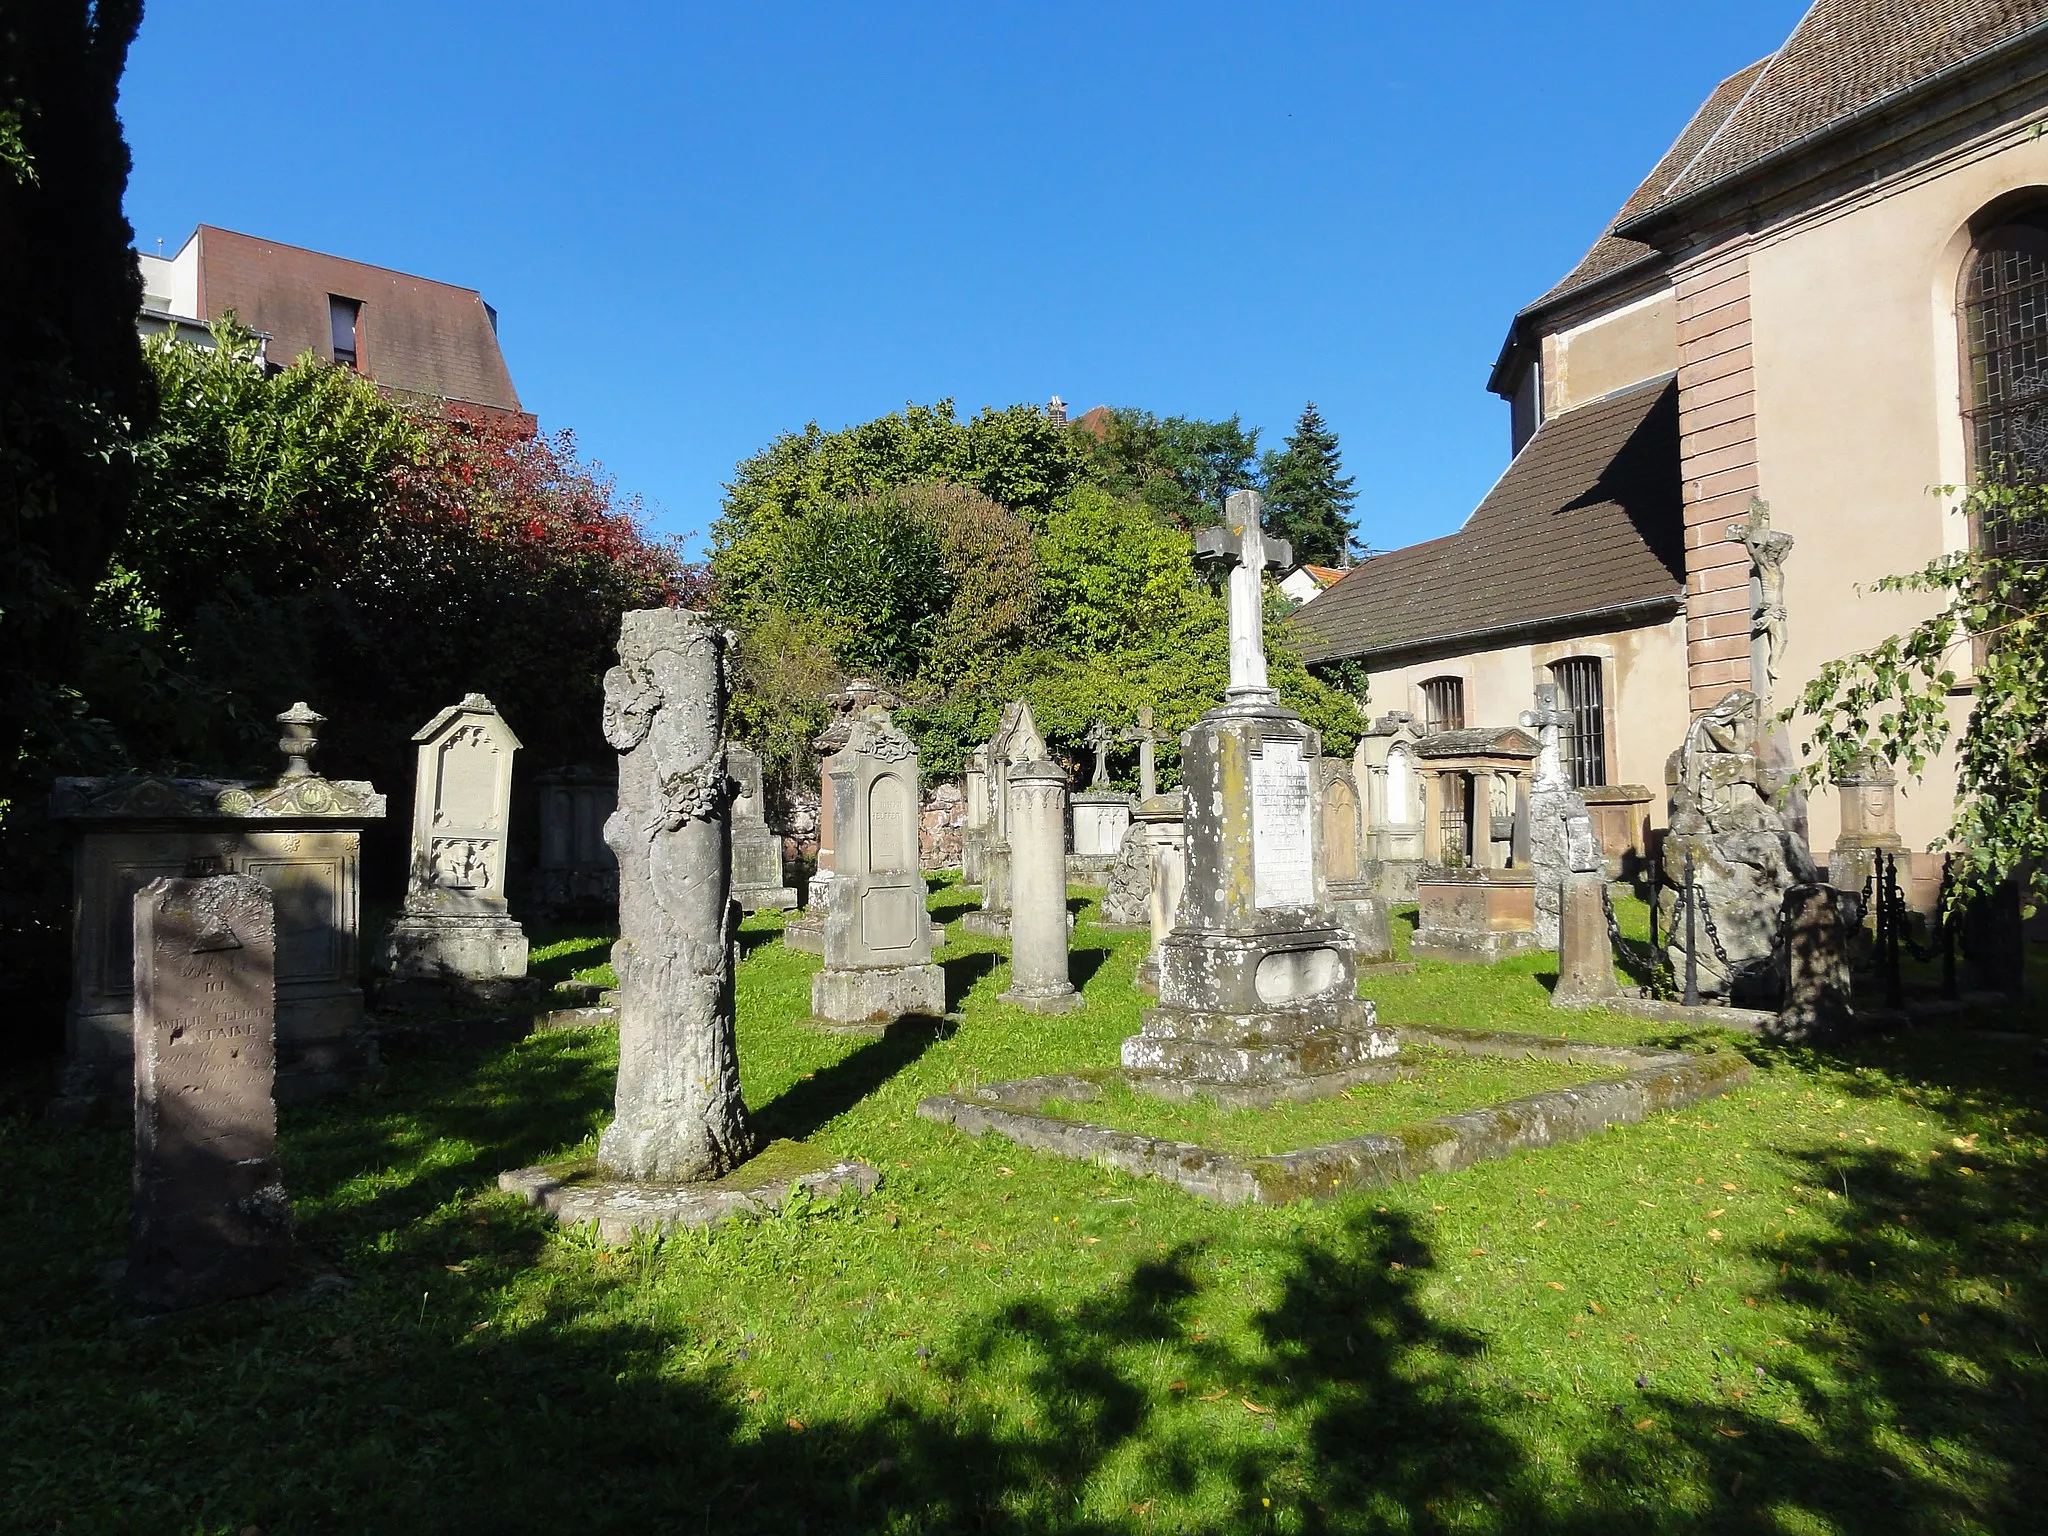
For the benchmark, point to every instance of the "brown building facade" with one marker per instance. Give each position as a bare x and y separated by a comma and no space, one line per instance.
411,334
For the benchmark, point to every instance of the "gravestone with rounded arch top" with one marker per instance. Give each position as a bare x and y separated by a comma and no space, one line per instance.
456,935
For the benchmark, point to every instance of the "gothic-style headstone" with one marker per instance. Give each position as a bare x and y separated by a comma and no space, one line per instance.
877,938
1354,893
1038,890
1818,1003
680,1115
211,1220
1015,743
456,935
756,846
1257,981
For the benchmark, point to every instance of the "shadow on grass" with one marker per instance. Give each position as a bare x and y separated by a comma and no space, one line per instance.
963,971
811,1102
1082,964
751,939
952,904
1917,1357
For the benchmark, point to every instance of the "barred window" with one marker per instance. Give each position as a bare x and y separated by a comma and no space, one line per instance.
1443,705
2005,326
1585,736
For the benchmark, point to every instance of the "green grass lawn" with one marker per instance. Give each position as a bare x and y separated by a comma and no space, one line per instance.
1432,1083
1812,1305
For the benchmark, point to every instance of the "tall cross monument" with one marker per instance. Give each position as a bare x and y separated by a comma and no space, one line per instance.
1243,542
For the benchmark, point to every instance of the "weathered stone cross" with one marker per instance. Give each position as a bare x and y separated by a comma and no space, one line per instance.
1099,738
1147,741
1242,540
1547,719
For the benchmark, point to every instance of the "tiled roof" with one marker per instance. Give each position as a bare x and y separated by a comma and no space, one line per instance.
1587,518
1610,253
1845,55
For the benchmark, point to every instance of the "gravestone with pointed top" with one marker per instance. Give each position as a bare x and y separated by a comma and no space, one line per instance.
756,847
1257,981
1016,742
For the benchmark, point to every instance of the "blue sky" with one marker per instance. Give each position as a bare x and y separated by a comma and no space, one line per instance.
704,225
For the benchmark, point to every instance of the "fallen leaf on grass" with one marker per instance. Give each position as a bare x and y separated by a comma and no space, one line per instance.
1541,1397
1254,1407
1541,1225
1788,1421
457,1269
983,1248
1749,1301
1553,1285
1722,1212
1731,1187
1178,1386
754,1394
1214,1397
1596,1308
1091,1239
1006,1173
795,1424
1478,1253
1713,1235
1650,1203
1645,1423
1731,1434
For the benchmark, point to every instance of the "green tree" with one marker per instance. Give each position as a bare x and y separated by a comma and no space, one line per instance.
1308,496
1896,700
1180,467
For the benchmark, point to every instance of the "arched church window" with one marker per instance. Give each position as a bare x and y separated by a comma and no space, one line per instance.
2005,336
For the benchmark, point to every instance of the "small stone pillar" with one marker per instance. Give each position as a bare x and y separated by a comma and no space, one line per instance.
210,1220
878,936
756,847
1868,792
680,1115
974,838
456,937
1038,890
1585,952
1818,1000
1163,818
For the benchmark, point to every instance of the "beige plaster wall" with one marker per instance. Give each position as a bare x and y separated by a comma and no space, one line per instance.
1858,414
1643,680
1625,346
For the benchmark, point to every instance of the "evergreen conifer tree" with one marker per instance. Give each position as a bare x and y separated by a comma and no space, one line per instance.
1308,495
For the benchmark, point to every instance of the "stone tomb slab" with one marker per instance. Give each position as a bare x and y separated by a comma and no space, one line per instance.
211,1221
1655,1080
580,1194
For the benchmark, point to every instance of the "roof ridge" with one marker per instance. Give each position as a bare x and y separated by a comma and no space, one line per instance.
1768,60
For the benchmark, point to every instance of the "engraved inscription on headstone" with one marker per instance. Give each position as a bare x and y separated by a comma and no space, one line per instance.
1283,871
210,1220
888,822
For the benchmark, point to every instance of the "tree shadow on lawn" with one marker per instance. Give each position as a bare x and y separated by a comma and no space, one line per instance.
814,1101
571,1412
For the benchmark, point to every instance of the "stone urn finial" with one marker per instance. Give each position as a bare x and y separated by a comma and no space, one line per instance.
300,738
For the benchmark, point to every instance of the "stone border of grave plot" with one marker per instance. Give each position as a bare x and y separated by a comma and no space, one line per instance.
622,1211
1658,1080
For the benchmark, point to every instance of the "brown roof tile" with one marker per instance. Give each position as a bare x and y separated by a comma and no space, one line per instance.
1588,517
1610,253
1845,55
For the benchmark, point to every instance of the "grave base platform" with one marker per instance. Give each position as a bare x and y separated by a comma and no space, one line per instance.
765,898
1475,948
878,998
1256,1050
1050,1000
990,925
582,1195
454,950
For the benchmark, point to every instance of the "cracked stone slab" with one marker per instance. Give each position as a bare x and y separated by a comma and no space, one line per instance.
1656,1080
577,1195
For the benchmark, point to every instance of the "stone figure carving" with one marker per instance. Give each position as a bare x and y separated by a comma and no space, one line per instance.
680,1116
1768,551
1098,739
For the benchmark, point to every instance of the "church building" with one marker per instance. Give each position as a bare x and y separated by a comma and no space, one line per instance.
1830,294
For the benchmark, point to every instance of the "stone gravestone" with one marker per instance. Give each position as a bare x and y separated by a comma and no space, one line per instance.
1038,890
1867,790
575,873
210,1220
680,1116
1101,815
1147,740
1257,981
456,936
1818,1002
1744,856
1561,837
300,835
1384,767
974,838
1585,950
1015,743
1354,896
1164,821
878,941
756,847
